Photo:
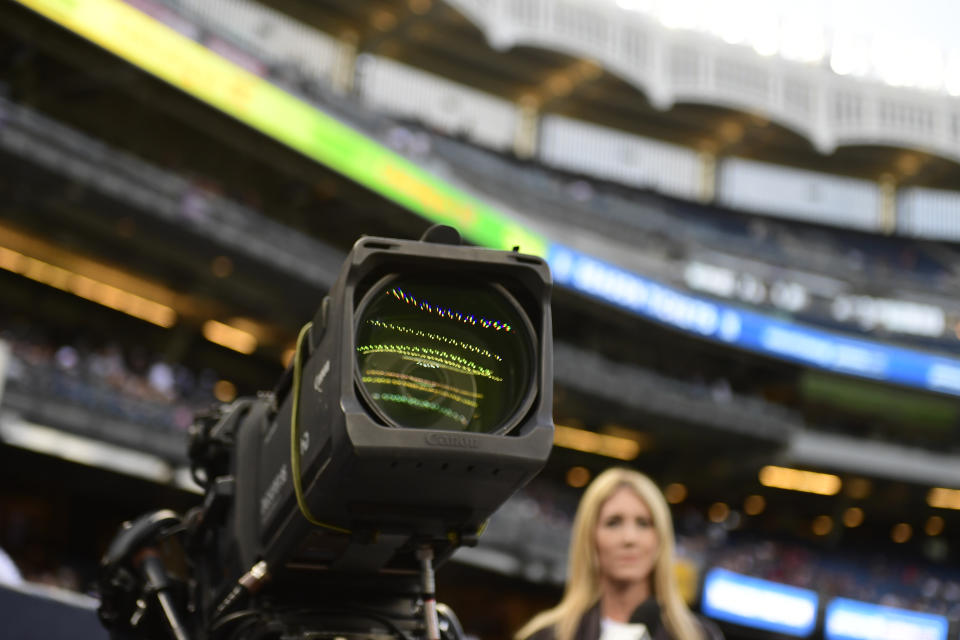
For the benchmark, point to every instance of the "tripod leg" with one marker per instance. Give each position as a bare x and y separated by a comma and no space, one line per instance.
425,555
157,581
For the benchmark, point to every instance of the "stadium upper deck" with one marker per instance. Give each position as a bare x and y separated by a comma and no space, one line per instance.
598,63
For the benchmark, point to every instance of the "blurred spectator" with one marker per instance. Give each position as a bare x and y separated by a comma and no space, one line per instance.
142,390
9,573
580,190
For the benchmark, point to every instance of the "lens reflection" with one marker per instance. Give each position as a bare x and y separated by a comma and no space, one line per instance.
445,356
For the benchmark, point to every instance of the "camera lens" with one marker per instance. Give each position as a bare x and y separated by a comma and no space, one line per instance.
444,355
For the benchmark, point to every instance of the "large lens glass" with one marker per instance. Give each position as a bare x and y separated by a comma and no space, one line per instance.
443,355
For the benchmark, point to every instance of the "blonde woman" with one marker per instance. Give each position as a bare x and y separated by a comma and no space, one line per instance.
621,572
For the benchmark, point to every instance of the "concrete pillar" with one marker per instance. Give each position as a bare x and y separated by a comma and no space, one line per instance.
528,126
345,71
888,205
708,176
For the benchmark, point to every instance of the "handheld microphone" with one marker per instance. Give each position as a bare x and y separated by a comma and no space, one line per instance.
648,614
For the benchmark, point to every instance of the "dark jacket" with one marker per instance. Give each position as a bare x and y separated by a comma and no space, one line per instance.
589,628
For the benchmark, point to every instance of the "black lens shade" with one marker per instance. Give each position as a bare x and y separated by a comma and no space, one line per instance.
442,355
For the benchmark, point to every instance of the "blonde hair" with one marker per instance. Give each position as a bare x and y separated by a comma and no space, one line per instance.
583,580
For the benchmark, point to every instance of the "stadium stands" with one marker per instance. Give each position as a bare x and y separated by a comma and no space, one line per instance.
825,254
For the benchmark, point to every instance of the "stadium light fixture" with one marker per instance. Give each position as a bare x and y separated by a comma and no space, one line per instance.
858,488
849,56
764,34
934,526
230,337
901,532
943,498
754,505
824,484
675,492
598,443
852,517
822,525
87,288
224,391
718,512
578,477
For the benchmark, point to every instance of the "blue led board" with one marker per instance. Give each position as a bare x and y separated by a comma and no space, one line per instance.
761,604
750,330
853,620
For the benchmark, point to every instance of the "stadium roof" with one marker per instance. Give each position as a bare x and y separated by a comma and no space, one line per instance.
436,37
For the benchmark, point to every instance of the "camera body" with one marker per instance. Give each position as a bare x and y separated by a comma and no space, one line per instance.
419,400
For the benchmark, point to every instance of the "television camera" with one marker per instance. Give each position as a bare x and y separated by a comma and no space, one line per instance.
419,399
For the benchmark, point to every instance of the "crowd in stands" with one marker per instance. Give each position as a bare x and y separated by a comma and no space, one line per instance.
534,525
128,384
536,531
537,521
875,578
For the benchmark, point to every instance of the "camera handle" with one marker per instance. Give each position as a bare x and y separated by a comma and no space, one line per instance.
132,571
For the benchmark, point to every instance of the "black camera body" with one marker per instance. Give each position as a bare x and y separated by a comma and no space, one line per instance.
419,400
